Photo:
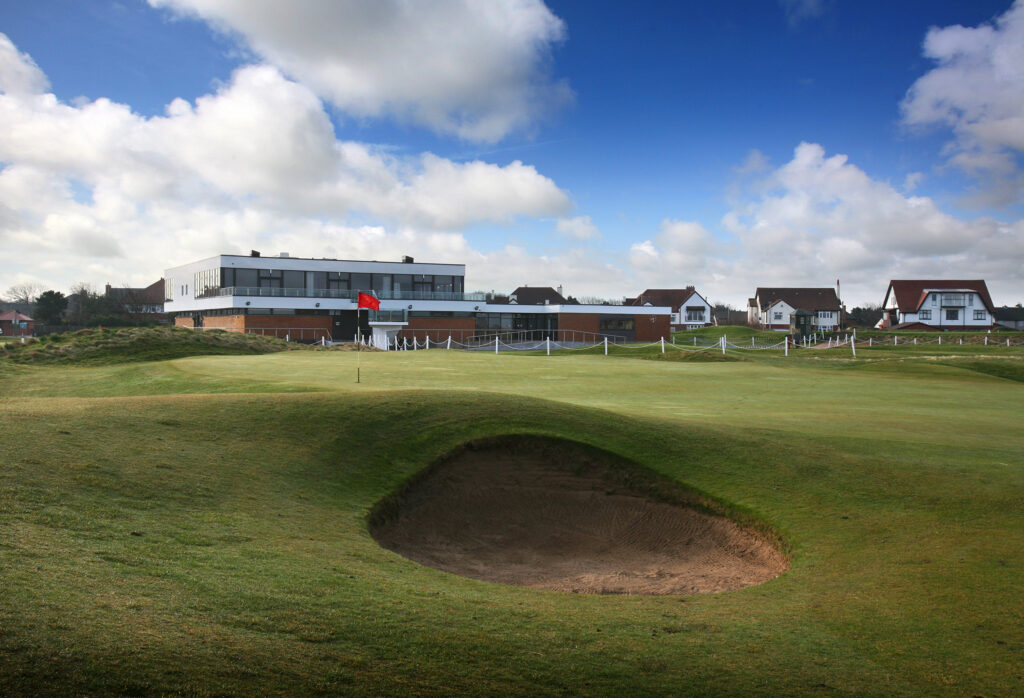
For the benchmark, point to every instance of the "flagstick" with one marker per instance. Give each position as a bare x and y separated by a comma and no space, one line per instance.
359,350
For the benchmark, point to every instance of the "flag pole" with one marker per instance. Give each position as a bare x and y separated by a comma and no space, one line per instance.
359,349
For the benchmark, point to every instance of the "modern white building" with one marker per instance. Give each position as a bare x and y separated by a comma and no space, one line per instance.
937,304
308,299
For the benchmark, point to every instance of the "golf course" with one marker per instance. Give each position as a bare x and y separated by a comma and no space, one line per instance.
210,514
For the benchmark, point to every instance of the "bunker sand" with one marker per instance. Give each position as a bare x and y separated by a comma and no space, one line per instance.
551,519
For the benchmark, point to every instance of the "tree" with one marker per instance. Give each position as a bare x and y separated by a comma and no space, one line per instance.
49,306
866,316
23,294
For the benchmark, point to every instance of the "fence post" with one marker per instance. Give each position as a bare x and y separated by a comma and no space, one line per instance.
895,339
940,340
871,341
986,340
449,342
915,341
428,341
751,341
723,345
787,345
694,340
662,345
547,341
495,344
606,346
1007,341
853,347
961,340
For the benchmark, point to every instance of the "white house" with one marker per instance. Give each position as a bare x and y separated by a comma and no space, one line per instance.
770,308
937,305
689,309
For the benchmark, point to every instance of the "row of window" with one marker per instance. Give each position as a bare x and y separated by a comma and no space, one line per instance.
340,281
952,314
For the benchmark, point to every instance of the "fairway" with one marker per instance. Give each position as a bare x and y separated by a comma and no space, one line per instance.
202,525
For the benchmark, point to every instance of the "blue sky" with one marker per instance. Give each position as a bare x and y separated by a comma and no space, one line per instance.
605,146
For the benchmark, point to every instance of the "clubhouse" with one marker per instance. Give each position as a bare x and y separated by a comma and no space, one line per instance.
313,299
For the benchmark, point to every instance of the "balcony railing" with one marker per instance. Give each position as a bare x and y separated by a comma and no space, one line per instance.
344,294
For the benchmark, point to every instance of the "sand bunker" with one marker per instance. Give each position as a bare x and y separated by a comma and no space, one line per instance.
544,514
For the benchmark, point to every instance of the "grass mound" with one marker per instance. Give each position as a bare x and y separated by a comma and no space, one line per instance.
1000,368
103,346
707,356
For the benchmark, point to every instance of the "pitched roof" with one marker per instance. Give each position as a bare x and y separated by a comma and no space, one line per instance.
803,298
662,297
537,295
14,316
910,293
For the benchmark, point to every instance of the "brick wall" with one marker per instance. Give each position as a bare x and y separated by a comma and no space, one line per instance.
183,322
438,328
587,322
647,331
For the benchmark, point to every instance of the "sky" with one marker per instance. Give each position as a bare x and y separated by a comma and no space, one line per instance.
603,146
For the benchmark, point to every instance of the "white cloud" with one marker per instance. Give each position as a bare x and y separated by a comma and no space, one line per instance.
822,217
977,90
799,10
477,70
19,75
96,188
578,228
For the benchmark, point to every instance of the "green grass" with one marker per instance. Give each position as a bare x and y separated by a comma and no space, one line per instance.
199,525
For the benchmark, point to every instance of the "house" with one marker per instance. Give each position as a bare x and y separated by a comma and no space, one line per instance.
312,299
15,324
1010,317
140,303
936,304
689,308
770,308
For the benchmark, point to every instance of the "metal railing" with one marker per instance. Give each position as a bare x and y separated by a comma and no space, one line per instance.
484,338
345,294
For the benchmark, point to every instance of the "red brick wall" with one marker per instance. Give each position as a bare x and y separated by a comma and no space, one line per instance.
587,322
298,327
647,331
183,321
437,328
233,323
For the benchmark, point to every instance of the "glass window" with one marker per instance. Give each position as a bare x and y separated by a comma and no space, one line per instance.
979,315
926,315
338,280
295,279
402,282
442,283
952,314
246,278
270,278
360,282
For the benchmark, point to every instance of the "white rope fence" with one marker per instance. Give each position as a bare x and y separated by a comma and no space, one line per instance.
849,342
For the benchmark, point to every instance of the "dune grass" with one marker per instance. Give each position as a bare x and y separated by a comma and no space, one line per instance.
199,525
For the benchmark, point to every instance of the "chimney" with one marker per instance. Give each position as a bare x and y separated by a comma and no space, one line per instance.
254,253
691,289
560,289
407,260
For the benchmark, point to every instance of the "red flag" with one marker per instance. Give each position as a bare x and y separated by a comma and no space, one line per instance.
368,301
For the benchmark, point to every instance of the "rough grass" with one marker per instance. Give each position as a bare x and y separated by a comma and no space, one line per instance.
105,346
173,540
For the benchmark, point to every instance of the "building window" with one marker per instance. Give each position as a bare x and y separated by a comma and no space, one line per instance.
952,314
825,314
777,315
926,315
695,314
955,299
979,315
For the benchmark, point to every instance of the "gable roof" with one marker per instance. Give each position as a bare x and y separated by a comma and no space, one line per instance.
910,293
536,295
14,316
803,298
666,297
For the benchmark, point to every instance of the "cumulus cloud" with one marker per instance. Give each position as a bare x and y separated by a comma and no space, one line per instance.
821,217
478,70
977,90
96,188
578,228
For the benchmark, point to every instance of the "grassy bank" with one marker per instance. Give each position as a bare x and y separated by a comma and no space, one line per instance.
199,525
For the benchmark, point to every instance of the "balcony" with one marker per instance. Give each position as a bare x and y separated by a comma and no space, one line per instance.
344,294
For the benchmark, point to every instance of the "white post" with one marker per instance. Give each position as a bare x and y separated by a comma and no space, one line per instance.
871,341
428,342
915,341
940,340
694,340
495,344
606,346
787,345
547,341
853,347
751,341
895,340
986,340
961,340
723,345
662,345
1007,341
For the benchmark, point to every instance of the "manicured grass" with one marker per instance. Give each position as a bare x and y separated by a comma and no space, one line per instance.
199,525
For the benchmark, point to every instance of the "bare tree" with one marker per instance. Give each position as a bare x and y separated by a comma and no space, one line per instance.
23,294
